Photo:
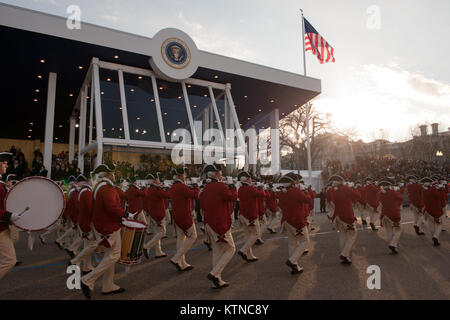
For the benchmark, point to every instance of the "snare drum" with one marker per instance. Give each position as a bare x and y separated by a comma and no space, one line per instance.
133,233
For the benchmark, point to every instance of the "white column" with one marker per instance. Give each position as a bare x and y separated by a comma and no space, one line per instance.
71,139
82,131
49,122
275,141
123,101
98,113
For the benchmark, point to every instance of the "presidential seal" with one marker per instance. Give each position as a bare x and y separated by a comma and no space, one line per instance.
176,53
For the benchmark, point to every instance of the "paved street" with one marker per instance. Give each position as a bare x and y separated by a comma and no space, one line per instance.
419,271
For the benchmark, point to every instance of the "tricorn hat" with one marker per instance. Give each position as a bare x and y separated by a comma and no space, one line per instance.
286,179
243,174
5,156
81,178
104,168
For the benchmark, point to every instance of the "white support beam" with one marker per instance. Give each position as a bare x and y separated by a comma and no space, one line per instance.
82,127
91,111
189,113
123,102
71,138
98,113
49,123
275,141
158,109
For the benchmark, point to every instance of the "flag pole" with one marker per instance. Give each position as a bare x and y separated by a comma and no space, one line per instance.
308,141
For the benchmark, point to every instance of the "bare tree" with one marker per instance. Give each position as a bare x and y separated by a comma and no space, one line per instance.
293,135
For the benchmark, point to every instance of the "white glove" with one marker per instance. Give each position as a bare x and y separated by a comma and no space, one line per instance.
396,188
124,220
15,217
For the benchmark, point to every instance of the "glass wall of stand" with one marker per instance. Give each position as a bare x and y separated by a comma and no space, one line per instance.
203,113
173,110
112,118
141,108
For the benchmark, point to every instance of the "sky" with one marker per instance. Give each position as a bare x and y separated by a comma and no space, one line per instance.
391,72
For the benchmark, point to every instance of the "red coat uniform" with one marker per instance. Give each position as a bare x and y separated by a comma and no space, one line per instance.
390,205
134,197
248,201
373,196
122,196
415,192
330,194
72,205
433,202
85,209
154,202
216,200
181,195
261,205
292,203
312,195
3,215
107,211
271,200
343,208
363,197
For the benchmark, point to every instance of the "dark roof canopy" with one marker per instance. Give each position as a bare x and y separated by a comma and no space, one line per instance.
24,84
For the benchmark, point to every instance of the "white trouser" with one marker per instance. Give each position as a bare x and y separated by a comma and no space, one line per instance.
222,252
330,206
168,218
251,234
65,239
418,216
434,225
297,242
311,216
275,222
55,228
373,214
347,236
262,223
7,253
159,229
107,265
89,246
184,243
393,231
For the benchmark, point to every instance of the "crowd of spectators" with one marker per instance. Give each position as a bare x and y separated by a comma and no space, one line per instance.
61,168
376,168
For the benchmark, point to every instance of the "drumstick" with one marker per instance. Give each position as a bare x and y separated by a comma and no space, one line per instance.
25,210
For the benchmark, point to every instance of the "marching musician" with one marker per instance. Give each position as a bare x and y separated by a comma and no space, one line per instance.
74,248
154,206
415,193
216,204
291,200
362,202
106,220
373,202
181,196
7,252
135,198
85,207
391,200
312,194
434,212
261,212
272,207
248,214
344,217
70,215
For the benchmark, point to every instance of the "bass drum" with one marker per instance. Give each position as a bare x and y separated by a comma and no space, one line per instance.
44,198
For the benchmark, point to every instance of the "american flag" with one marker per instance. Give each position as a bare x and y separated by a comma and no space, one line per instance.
317,44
